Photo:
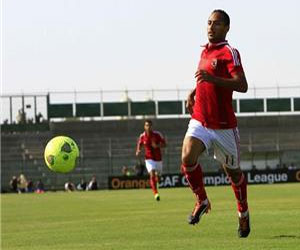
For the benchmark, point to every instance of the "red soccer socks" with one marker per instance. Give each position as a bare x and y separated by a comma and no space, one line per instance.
153,184
240,192
194,177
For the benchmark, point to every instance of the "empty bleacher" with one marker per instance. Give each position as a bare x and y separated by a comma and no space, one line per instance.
106,146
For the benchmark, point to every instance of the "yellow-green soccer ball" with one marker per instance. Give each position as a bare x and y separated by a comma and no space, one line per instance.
61,154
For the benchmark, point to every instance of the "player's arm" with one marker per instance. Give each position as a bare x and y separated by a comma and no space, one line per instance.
161,144
191,101
237,83
138,147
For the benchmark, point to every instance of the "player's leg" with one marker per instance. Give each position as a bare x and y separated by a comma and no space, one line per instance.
191,150
151,168
158,172
227,152
239,186
153,183
156,184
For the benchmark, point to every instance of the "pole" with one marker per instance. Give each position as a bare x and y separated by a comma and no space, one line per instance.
35,114
10,109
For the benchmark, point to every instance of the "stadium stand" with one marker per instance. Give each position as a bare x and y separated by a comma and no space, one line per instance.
106,146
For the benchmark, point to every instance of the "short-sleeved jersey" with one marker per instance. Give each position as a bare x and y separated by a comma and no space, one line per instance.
213,104
146,140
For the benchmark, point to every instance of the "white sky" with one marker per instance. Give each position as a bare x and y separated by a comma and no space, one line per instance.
51,45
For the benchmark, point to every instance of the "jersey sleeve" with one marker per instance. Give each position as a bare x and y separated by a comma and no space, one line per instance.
161,138
140,140
234,64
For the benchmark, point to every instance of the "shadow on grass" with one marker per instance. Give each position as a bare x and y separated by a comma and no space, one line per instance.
285,236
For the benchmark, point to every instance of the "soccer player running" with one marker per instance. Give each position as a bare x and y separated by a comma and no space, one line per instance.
152,141
213,122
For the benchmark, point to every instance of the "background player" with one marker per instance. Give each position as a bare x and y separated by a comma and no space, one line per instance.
213,120
152,141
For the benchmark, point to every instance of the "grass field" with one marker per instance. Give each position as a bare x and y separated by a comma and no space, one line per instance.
131,219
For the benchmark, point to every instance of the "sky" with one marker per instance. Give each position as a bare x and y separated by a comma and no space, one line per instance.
87,45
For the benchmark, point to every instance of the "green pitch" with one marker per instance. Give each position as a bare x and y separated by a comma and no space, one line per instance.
131,219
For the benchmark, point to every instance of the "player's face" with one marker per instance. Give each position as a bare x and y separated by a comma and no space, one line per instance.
147,127
216,28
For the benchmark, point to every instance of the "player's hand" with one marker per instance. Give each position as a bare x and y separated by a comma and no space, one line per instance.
202,75
190,102
137,153
154,145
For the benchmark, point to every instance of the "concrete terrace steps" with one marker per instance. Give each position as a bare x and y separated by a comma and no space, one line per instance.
100,140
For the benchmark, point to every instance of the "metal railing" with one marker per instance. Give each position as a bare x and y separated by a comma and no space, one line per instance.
35,104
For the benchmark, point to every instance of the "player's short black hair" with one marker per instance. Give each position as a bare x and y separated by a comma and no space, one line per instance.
225,16
148,121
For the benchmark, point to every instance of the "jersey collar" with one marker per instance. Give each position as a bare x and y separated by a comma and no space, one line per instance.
150,133
213,45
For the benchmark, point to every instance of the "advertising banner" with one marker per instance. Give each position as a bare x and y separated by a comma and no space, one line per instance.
210,179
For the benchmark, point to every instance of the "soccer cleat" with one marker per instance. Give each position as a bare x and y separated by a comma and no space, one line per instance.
199,210
157,197
244,226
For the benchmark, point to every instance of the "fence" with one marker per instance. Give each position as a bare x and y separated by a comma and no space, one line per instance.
133,103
